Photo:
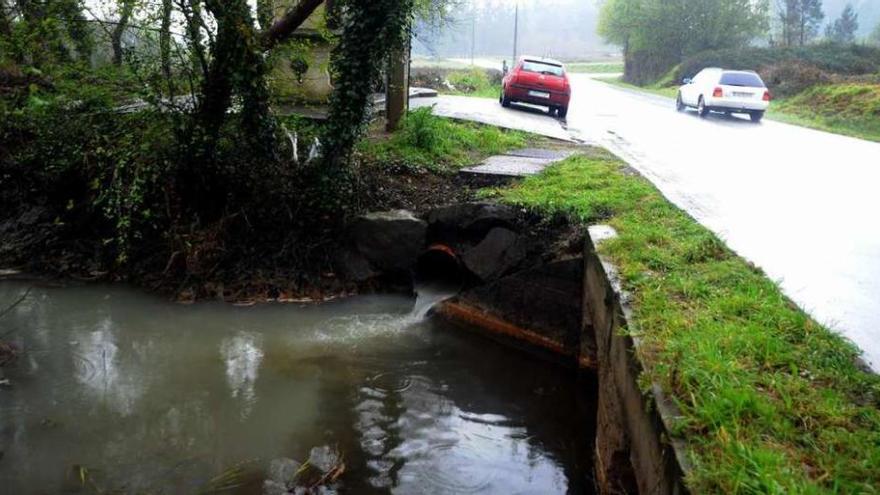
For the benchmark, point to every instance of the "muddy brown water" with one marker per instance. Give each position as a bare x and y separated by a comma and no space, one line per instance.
116,391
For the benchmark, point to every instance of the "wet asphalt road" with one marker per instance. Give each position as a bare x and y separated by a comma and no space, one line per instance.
801,204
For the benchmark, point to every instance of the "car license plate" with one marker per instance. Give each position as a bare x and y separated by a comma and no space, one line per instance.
539,94
743,95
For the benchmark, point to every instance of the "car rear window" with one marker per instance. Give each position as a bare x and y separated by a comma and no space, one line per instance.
542,68
746,79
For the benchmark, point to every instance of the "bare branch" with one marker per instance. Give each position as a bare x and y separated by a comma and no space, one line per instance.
292,20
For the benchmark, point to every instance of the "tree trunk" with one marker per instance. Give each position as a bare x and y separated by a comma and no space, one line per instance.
165,46
396,88
237,64
5,23
192,13
265,13
284,27
126,9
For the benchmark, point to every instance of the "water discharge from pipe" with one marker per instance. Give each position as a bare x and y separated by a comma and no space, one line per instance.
428,296
439,276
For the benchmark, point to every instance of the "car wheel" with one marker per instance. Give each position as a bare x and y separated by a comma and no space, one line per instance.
505,101
756,116
679,105
702,109
562,111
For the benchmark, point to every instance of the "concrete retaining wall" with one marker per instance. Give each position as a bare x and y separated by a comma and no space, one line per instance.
574,312
634,452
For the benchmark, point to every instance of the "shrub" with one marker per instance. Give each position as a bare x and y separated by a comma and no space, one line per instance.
828,57
470,81
789,69
420,129
791,77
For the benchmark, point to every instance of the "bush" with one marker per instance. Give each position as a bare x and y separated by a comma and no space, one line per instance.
791,77
420,129
426,141
470,81
829,58
840,100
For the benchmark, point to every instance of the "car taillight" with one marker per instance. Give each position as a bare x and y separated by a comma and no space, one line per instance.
767,95
718,93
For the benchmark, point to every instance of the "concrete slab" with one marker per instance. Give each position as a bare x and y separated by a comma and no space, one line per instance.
518,163
416,92
511,166
541,153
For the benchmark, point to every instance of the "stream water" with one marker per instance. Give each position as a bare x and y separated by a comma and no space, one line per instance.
116,391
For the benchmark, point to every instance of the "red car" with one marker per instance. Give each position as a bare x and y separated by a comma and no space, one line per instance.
538,81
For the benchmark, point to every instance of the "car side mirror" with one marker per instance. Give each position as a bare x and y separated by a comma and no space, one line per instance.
687,80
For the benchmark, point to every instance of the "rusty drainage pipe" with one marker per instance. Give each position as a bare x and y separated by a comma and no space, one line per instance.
440,265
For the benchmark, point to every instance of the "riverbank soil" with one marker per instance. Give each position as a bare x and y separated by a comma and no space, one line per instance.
56,223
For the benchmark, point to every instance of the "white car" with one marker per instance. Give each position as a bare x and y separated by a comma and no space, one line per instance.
727,91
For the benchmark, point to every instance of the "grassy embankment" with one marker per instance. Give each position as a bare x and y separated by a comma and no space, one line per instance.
772,402
595,67
851,109
440,145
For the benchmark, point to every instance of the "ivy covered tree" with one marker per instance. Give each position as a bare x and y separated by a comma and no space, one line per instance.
843,29
44,32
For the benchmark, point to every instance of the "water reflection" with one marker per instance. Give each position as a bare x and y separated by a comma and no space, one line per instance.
242,356
153,397
97,367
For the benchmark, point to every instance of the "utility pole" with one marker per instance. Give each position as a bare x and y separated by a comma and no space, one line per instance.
473,34
515,34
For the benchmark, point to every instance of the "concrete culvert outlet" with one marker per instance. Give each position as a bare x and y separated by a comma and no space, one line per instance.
440,266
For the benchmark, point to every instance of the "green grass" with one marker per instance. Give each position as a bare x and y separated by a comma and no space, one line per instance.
473,82
595,67
772,402
849,109
668,92
429,142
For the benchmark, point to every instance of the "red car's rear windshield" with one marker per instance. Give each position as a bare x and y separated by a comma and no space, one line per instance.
543,68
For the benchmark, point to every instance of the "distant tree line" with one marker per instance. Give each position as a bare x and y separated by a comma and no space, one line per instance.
658,34
563,29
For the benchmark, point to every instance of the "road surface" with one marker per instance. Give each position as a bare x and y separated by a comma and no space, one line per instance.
803,205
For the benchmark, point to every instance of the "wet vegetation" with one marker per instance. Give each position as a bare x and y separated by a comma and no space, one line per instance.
771,401
475,82
595,68
427,142
167,162
852,109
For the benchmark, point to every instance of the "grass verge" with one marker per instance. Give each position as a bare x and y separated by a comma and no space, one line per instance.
474,82
668,92
433,143
849,109
595,67
772,402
